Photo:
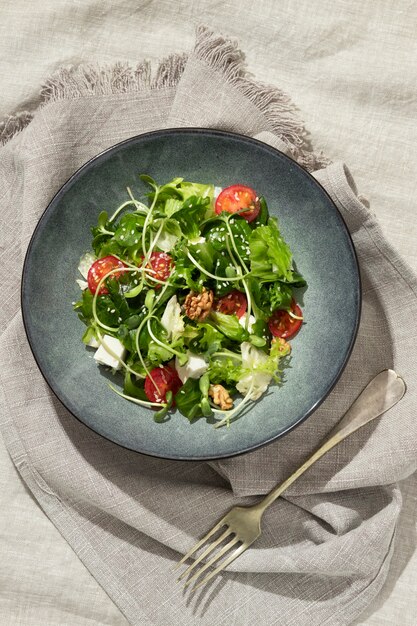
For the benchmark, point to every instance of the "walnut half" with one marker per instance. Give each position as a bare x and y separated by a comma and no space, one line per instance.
220,397
198,305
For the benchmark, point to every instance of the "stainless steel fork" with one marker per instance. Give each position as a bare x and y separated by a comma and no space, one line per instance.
243,524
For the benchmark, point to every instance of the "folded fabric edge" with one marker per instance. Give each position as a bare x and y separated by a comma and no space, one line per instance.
224,55
219,52
64,521
78,81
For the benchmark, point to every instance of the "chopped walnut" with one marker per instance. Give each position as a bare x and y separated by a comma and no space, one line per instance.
220,397
198,305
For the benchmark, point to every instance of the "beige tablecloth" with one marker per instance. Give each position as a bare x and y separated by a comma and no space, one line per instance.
350,69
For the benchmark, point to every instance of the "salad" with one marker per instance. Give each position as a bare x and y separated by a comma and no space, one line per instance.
190,294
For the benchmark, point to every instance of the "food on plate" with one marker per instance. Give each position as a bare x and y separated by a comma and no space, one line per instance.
191,296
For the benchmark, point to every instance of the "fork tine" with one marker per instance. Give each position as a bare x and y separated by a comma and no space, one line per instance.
215,558
207,551
222,565
200,543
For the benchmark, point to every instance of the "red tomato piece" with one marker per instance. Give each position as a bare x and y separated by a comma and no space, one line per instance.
281,324
237,197
161,265
232,303
166,379
100,269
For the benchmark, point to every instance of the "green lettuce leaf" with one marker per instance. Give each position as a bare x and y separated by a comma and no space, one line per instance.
207,340
271,257
224,370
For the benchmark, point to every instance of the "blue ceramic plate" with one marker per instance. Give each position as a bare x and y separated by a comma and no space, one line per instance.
310,223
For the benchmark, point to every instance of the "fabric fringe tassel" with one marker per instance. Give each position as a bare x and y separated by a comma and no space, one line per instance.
224,55
13,124
220,53
91,80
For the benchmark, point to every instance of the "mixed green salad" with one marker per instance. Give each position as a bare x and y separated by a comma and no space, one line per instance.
189,292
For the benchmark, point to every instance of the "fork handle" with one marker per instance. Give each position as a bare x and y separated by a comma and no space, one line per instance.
384,390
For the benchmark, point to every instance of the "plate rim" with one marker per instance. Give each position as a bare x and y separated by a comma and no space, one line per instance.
205,131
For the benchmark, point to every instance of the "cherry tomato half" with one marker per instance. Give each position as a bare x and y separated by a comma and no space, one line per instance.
281,324
100,269
160,265
237,197
166,379
232,303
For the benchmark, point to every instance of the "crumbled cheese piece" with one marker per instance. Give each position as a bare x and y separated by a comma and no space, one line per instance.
85,263
194,368
82,284
110,352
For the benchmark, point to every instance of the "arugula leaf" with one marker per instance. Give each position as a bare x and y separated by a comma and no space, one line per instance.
204,253
215,234
148,180
84,307
89,334
188,399
129,230
241,233
263,215
107,312
221,268
105,245
132,388
229,326
191,215
186,272
295,279
118,298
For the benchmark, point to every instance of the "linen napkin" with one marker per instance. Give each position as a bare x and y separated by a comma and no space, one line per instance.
326,546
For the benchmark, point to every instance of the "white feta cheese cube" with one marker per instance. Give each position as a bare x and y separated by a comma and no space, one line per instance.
217,191
82,284
194,368
110,352
85,263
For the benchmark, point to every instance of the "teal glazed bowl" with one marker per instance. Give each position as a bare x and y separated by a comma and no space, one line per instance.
310,223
